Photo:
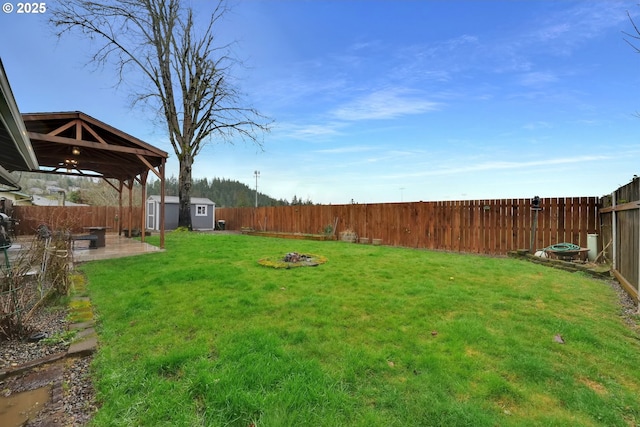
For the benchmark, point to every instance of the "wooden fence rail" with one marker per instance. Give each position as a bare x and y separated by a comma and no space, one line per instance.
73,218
492,227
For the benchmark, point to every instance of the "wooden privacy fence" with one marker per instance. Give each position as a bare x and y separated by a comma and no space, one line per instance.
74,218
620,216
475,226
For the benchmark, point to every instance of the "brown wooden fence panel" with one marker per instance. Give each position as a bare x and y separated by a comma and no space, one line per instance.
575,223
477,226
627,244
620,232
73,218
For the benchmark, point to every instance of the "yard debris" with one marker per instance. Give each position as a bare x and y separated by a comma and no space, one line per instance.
391,364
434,333
558,338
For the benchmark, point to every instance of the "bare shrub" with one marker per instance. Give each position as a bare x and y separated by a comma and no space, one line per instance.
38,271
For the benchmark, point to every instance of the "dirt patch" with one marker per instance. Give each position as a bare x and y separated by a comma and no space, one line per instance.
595,386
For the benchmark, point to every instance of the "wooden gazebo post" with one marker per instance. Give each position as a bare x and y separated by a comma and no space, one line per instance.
143,205
119,224
130,219
162,191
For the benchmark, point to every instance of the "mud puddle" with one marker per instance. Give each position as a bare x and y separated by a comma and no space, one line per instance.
24,396
18,408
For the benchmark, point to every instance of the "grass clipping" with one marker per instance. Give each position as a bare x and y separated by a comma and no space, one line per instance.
293,260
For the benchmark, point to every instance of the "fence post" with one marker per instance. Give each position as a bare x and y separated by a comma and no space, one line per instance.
614,231
535,207
638,284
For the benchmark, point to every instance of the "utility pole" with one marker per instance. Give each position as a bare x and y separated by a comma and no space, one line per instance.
257,174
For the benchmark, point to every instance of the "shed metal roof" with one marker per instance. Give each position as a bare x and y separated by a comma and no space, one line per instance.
174,200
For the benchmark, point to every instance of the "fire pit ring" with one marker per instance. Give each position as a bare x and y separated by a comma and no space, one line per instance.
293,260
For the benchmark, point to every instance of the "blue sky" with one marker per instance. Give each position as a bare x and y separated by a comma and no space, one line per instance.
388,101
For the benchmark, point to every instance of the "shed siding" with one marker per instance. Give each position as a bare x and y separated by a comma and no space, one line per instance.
198,222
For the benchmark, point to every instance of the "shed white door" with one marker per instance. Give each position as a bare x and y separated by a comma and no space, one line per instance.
151,215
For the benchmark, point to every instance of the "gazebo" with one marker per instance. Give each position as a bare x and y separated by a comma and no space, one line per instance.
74,143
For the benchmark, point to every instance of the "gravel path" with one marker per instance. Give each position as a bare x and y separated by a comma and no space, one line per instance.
628,307
73,397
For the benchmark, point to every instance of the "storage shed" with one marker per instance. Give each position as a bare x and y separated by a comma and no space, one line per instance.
203,213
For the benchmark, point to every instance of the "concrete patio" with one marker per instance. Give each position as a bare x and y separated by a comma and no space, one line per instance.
115,247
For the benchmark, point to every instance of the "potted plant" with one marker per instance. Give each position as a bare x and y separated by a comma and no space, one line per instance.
348,235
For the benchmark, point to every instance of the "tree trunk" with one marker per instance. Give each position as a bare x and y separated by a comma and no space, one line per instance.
184,191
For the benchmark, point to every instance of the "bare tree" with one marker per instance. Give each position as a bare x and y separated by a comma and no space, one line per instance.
189,74
635,38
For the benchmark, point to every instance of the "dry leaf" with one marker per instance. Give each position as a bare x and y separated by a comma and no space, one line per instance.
391,364
434,333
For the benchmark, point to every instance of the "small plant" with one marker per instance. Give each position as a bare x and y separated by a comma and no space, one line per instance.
65,337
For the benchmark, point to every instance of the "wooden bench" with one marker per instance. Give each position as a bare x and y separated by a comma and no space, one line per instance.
92,238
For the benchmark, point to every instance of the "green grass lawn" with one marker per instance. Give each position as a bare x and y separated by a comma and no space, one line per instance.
202,335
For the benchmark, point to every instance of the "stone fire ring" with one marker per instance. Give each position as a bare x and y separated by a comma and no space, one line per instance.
293,260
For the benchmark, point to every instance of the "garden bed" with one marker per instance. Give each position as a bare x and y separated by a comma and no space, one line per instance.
284,235
597,270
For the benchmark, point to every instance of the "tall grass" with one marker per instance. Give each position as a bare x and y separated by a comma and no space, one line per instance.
378,336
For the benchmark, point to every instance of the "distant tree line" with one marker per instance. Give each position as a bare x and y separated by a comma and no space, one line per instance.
94,191
224,193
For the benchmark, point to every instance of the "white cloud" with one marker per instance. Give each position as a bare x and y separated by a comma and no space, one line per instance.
385,104
538,78
309,131
537,125
500,165
344,150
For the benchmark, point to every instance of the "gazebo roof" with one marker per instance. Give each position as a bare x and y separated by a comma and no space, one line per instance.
76,143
